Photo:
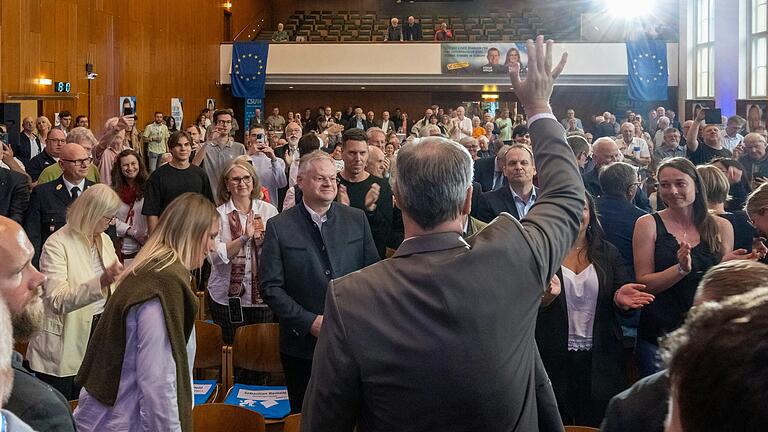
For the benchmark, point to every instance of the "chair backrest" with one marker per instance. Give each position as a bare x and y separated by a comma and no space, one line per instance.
219,417
256,348
581,429
292,423
209,343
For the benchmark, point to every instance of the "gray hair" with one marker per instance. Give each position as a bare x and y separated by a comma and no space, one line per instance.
616,178
427,130
432,179
663,122
80,134
306,161
374,130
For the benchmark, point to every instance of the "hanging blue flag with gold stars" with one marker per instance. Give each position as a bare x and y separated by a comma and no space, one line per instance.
647,70
249,69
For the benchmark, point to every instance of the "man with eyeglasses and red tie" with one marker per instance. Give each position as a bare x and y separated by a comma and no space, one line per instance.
49,202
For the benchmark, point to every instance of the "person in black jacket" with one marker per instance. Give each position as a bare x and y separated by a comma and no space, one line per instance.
14,195
304,248
412,30
394,31
578,331
30,144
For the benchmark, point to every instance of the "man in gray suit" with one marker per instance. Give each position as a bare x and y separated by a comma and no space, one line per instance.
434,338
304,248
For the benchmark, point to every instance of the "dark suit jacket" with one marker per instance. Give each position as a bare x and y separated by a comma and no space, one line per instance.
297,262
592,184
39,405
352,123
38,163
412,32
415,343
484,171
47,212
14,195
22,149
618,217
640,408
496,202
608,372
390,125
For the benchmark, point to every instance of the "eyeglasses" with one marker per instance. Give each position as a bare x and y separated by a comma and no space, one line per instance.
81,162
111,220
245,179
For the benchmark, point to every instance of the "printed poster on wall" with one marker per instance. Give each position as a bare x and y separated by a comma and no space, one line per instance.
177,111
482,58
756,115
127,106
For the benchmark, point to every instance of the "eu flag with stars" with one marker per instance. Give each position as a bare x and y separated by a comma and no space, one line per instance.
249,69
647,70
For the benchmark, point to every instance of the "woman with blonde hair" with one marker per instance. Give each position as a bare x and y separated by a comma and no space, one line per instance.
234,264
43,126
80,265
137,374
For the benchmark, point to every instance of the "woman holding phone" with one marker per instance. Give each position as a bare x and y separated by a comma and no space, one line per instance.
233,285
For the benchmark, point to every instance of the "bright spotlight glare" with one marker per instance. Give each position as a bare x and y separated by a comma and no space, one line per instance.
630,9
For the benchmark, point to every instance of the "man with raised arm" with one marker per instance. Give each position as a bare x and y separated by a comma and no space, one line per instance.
435,338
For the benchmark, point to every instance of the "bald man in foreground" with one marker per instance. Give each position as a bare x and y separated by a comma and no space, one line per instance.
439,337
49,202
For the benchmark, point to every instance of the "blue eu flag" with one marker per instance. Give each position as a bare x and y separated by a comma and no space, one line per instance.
249,69
647,70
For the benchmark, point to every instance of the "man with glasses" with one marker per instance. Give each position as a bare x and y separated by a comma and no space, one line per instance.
50,154
49,202
85,139
218,152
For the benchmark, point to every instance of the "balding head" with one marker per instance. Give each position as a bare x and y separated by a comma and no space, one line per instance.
605,151
74,162
20,283
376,161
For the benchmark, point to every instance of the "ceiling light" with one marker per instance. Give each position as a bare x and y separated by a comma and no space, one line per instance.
44,81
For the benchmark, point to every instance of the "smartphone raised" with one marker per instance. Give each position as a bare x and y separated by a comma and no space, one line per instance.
713,116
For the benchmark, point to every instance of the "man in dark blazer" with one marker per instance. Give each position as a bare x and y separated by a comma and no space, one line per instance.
53,145
304,248
412,30
605,152
358,120
49,202
29,142
434,338
488,170
516,198
14,195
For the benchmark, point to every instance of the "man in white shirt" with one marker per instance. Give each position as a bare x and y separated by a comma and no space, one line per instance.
730,137
663,123
634,149
270,168
463,123
386,124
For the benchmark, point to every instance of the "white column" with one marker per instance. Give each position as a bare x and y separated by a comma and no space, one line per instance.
727,55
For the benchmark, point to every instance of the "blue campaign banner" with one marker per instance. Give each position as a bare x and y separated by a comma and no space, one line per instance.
251,104
203,389
648,75
249,69
269,401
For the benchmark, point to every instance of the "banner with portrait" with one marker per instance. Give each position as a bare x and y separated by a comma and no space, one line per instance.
756,115
127,106
177,111
482,58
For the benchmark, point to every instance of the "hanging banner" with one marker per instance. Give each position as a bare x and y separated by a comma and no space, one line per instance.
177,111
482,58
251,104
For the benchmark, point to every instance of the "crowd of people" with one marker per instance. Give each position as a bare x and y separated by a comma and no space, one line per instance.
520,249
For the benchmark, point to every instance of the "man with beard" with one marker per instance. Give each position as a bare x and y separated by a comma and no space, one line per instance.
33,401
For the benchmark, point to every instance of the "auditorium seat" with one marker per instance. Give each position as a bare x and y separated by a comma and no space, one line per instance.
211,352
218,417
292,423
255,348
